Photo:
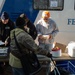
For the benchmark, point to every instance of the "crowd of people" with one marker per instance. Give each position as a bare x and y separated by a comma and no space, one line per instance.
26,32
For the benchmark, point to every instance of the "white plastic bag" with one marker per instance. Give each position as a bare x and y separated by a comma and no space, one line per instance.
71,49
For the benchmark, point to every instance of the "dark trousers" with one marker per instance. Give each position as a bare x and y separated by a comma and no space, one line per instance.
1,68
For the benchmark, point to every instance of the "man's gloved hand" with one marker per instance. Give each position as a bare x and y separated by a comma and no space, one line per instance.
49,55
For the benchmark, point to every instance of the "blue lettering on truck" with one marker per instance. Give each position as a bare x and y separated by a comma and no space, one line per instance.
71,21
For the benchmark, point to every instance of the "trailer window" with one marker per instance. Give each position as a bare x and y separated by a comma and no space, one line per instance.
48,4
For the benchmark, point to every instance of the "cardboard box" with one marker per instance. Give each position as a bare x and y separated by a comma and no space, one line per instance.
61,46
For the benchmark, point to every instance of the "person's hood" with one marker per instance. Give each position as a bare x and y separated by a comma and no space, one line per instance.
16,31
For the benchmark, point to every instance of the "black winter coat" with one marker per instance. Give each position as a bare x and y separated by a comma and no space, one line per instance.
33,31
5,29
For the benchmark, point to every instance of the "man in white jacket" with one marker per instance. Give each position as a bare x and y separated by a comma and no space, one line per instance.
47,30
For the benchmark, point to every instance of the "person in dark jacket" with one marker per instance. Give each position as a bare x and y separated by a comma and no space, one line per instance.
31,29
6,25
26,43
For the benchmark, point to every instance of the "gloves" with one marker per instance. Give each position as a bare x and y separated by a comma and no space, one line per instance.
49,55
40,37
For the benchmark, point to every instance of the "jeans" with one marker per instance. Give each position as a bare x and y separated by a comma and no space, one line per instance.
17,71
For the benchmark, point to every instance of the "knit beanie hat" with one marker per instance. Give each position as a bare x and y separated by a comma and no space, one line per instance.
4,15
23,16
20,22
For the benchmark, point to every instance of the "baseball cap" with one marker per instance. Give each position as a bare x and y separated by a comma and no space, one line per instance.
4,15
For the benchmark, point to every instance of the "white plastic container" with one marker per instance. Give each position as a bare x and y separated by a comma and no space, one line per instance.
46,36
71,49
56,53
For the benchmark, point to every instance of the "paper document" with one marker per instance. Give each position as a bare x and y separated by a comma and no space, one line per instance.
2,43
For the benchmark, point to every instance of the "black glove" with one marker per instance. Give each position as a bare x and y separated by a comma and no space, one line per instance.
49,55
